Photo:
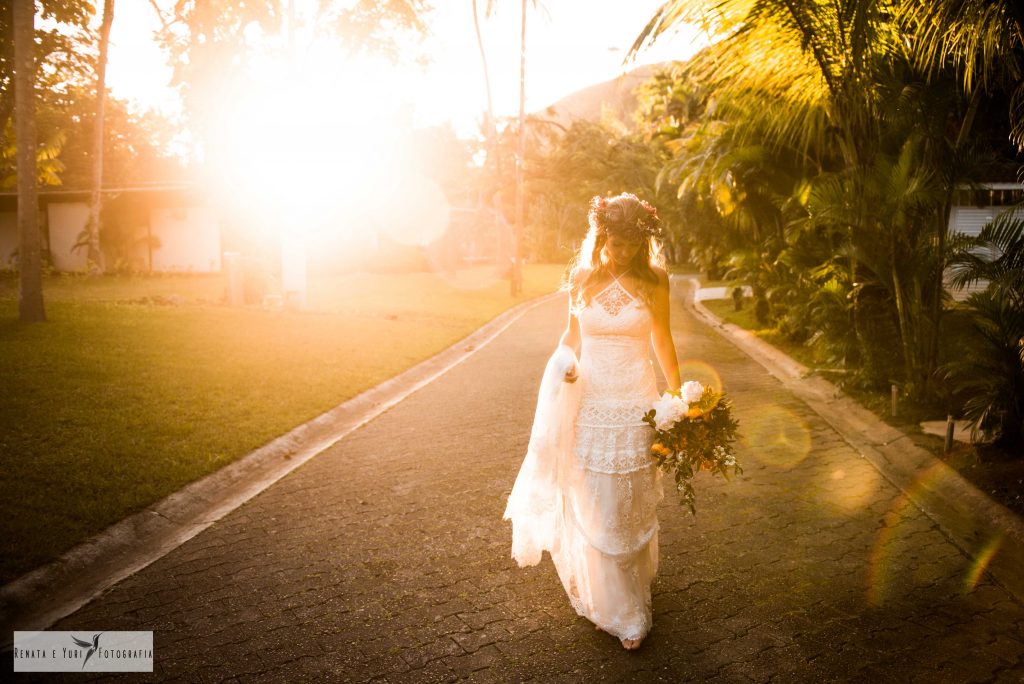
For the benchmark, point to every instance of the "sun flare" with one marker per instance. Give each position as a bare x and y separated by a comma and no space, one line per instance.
308,146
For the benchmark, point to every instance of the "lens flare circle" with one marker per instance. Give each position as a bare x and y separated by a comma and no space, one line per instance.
701,371
776,436
850,489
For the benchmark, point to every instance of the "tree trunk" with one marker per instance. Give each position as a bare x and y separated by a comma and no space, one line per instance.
492,164
30,274
517,249
491,125
941,228
908,327
94,257
941,231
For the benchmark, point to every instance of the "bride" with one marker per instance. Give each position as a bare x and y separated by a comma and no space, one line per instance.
588,488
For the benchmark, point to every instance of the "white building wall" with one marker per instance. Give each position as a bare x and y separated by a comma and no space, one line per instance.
970,220
8,238
189,239
66,220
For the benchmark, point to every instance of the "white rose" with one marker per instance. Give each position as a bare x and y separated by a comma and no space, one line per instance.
691,391
667,410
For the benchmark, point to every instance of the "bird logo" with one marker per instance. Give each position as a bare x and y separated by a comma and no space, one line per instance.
85,644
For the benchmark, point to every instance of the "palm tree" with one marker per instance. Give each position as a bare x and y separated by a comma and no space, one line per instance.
995,255
991,376
815,79
801,69
490,125
30,295
984,39
492,172
516,277
517,273
812,64
94,257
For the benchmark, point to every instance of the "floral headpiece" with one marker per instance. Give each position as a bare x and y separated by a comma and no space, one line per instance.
636,223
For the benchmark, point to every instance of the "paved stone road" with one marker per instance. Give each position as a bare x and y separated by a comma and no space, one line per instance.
386,558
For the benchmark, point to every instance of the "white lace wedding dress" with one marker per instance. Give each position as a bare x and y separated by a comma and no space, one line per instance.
588,488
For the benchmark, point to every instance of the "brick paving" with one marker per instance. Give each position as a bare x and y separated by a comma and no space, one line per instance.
385,558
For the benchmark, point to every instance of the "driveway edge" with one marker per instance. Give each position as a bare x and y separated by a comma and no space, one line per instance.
988,532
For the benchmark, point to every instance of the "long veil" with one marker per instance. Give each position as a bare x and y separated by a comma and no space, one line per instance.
536,497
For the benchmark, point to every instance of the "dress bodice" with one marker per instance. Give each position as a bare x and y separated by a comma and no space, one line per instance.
615,329
615,312
619,382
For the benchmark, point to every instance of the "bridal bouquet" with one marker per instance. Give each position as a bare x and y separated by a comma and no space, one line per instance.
695,431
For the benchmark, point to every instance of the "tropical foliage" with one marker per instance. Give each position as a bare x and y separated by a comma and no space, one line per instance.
599,159
814,150
992,376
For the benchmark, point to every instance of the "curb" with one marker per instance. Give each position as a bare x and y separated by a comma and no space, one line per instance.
989,533
42,596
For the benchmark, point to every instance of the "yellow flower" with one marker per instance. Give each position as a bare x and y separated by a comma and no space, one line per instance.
660,449
694,412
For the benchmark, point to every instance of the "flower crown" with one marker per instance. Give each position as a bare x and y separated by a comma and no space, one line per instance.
607,216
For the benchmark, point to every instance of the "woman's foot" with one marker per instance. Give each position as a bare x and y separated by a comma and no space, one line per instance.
631,644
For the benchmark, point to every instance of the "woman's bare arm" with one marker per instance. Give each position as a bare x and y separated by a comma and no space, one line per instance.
571,335
661,333
571,338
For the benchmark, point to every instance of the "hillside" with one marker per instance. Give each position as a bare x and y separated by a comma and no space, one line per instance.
615,95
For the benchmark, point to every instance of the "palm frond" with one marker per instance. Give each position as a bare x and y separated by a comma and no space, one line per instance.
978,36
996,254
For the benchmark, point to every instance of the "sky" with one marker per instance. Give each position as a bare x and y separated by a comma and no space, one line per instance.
570,44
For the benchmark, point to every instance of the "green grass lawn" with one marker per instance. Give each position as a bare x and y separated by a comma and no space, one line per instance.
744,318
110,406
704,282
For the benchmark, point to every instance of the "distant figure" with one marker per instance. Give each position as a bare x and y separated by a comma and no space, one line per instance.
588,487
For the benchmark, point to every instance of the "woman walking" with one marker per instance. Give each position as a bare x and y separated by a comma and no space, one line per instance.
588,488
